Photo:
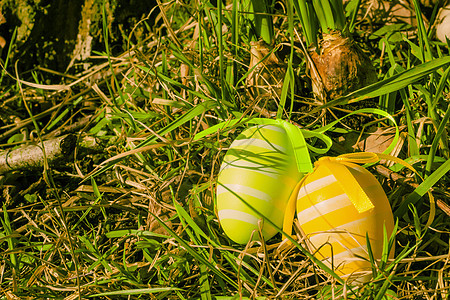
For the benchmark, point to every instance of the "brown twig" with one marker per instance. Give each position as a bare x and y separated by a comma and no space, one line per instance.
32,156
382,170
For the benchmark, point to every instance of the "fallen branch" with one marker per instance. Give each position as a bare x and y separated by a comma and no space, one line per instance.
32,156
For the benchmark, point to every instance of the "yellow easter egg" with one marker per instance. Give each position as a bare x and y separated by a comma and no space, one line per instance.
256,178
335,226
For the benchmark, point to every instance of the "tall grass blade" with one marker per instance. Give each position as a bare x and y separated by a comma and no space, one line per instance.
329,14
422,34
371,256
136,292
11,247
321,15
443,83
354,14
287,83
205,287
423,188
8,54
386,284
439,137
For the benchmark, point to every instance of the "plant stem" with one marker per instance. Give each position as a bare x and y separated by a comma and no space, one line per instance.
308,20
263,20
259,13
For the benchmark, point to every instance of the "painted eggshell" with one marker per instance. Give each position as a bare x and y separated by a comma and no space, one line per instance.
335,230
258,173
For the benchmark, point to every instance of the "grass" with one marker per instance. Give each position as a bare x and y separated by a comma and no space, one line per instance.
132,215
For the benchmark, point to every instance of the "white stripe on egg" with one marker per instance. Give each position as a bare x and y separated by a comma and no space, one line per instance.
316,185
242,189
324,207
258,143
237,215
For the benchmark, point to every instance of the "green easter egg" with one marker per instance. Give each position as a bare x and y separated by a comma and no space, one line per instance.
255,181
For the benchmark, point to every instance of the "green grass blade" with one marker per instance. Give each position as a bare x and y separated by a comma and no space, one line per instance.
413,148
371,256
8,55
386,284
205,287
443,83
185,217
136,292
124,232
290,69
231,73
422,34
221,56
388,247
321,15
354,14
287,82
329,13
11,240
440,136
423,188
416,218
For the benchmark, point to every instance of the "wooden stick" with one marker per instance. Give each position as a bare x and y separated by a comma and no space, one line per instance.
31,157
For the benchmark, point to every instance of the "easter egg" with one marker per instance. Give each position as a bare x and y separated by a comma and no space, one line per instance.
334,227
255,181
